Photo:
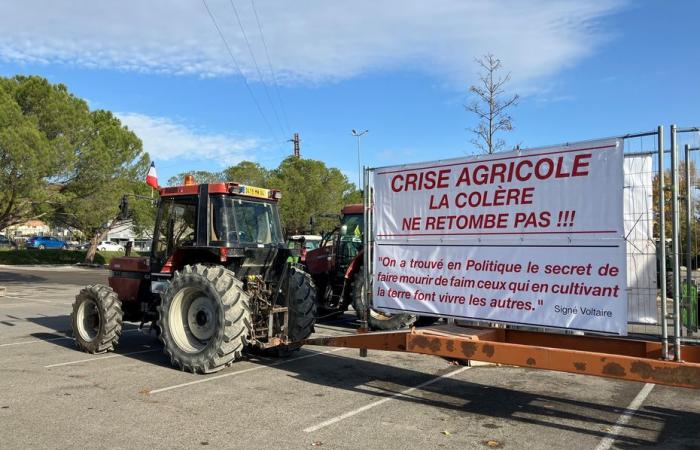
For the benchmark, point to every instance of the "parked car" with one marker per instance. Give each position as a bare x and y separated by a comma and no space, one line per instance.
6,243
73,245
303,243
44,242
109,246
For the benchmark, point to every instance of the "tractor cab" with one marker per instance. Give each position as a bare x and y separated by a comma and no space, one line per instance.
340,246
229,223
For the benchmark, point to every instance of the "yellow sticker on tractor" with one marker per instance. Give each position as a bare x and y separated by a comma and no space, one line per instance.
256,191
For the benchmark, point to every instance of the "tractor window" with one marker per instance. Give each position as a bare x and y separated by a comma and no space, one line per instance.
176,228
355,224
235,220
256,222
350,242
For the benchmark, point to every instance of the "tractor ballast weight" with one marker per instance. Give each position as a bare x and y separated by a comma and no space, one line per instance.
217,280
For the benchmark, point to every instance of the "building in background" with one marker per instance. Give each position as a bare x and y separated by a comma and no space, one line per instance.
123,232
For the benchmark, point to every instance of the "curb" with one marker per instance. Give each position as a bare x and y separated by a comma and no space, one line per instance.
54,266
94,266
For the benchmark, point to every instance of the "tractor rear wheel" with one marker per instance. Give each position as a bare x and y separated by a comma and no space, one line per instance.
377,320
204,318
302,305
96,319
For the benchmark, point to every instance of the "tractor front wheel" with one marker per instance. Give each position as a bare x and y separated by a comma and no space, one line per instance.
204,318
96,319
377,320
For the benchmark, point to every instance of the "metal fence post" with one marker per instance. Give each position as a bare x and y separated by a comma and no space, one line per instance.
365,266
675,241
688,235
662,243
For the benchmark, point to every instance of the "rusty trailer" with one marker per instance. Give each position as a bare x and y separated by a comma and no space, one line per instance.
619,358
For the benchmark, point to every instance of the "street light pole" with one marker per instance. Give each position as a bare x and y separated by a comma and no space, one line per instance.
359,167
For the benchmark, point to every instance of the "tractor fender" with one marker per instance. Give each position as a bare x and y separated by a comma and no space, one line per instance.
355,265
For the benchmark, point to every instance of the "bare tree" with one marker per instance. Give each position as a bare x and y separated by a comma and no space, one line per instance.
491,105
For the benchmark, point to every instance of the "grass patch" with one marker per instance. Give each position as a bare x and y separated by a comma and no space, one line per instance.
57,257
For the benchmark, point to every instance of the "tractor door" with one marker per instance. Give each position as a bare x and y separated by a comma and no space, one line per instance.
350,241
176,227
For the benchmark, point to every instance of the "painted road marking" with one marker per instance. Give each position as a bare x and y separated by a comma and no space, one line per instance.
115,355
240,372
625,417
29,299
35,341
362,409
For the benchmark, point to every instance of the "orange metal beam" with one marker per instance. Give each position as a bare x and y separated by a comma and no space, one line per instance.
598,356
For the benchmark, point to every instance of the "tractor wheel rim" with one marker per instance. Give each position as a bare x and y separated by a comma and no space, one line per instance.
88,320
378,315
200,318
193,319
373,313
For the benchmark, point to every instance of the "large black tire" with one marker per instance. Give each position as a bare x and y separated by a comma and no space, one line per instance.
96,319
302,305
377,319
204,318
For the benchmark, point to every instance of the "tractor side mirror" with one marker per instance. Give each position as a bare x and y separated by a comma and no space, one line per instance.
312,221
124,208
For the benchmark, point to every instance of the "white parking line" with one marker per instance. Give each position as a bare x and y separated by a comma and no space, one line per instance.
36,341
32,302
115,355
240,372
625,417
362,409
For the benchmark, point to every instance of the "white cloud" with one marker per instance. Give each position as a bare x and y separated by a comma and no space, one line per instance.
310,41
165,139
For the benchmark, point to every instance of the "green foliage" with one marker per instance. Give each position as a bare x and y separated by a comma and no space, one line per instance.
247,172
682,209
42,127
353,197
30,257
61,161
309,188
111,164
200,176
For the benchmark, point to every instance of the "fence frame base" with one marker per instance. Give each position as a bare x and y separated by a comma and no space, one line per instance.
610,357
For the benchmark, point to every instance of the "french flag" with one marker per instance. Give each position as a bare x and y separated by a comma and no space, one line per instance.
151,177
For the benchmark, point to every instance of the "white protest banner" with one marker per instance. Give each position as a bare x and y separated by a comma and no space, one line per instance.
529,237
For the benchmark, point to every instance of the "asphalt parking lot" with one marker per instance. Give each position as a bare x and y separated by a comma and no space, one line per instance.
52,396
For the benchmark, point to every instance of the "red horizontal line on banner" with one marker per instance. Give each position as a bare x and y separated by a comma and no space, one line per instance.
504,232
498,159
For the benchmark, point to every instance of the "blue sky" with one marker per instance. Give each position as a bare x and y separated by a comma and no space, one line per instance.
401,69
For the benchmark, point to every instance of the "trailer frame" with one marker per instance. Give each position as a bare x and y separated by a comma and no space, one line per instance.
619,358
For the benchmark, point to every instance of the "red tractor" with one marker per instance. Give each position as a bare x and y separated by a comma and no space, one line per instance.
217,281
336,267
